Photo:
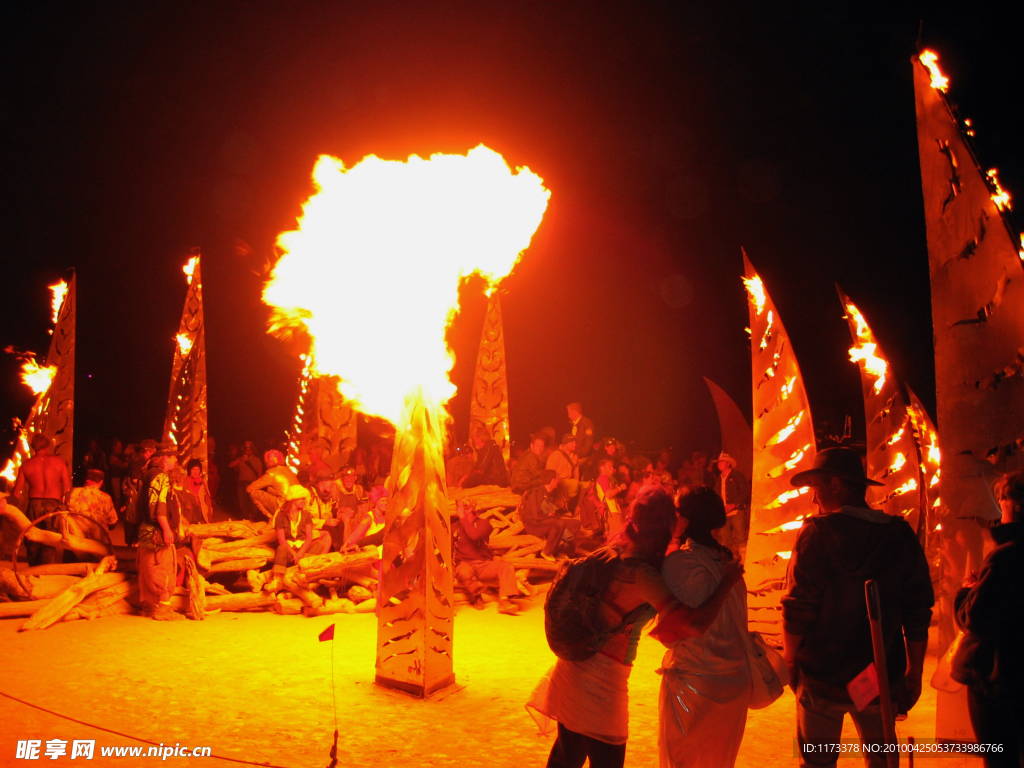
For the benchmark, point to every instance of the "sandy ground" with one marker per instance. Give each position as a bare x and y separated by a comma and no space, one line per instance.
257,687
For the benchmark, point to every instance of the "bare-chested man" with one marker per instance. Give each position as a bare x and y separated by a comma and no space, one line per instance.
44,483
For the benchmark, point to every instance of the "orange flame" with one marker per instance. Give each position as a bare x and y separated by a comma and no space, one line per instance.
184,344
59,291
931,61
897,435
1000,196
788,496
897,462
795,458
910,485
767,334
755,288
787,430
10,473
785,555
407,233
864,351
189,268
37,377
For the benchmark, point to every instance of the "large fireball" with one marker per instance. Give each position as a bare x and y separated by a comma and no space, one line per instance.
373,270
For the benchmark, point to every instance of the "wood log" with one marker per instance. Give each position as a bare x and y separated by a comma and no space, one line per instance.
289,606
521,552
196,591
25,608
340,605
40,587
228,566
332,565
113,593
241,553
79,544
532,563
267,537
214,588
234,529
301,591
59,569
512,540
56,608
83,611
240,601
367,606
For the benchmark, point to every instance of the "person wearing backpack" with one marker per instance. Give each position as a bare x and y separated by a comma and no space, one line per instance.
706,681
158,517
594,614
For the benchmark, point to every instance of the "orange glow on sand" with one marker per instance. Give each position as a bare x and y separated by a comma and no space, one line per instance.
409,232
59,291
930,59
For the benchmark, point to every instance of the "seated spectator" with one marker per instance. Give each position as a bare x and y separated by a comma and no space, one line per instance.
317,465
91,502
529,467
295,539
269,489
489,468
563,462
370,530
197,499
348,494
538,514
475,563
322,499
459,465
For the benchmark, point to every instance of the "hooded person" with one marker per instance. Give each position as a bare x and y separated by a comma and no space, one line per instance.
826,631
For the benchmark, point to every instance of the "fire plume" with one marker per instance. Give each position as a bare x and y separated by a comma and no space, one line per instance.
864,351
930,59
35,376
755,288
189,268
385,244
59,291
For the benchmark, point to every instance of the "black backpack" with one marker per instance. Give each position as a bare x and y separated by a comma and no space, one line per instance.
571,621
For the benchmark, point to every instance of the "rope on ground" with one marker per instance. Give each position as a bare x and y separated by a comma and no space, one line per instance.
126,735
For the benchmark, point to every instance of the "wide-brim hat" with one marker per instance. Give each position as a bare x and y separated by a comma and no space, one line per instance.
568,437
723,456
843,463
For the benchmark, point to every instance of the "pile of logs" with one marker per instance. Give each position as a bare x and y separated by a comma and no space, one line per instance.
318,585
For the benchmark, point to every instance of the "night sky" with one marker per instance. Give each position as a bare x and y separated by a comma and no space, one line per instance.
670,134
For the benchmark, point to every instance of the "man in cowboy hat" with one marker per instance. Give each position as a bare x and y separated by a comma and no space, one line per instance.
827,636
734,489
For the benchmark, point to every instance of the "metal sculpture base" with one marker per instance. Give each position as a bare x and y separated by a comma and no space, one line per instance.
416,609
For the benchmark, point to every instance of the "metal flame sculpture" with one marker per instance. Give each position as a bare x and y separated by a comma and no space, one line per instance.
737,439
372,275
892,449
977,281
185,424
488,407
53,413
784,444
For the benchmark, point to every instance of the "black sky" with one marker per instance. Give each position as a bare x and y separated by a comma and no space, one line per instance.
670,135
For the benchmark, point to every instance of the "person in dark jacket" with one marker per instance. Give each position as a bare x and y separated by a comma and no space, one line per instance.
990,608
475,563
529,466
827,635
489,468
582,429
539,516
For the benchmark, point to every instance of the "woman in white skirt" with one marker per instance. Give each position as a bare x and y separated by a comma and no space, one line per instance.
589,699
706,683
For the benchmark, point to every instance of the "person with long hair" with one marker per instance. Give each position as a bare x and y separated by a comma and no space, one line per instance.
589,699
706,683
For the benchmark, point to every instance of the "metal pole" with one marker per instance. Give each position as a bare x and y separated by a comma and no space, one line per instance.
878,646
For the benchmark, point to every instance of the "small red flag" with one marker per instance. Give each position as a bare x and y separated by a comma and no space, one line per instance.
863,689
327,634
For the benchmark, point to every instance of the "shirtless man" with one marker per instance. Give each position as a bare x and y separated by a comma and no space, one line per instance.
45,481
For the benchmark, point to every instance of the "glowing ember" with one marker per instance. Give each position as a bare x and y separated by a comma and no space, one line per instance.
935,480
408,233
37,377
189,268
787,430
786,497
910,485
999,195
59,291
930,59
755,288
10,472
184,344
933,454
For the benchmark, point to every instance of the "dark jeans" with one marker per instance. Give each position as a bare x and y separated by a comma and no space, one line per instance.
572,749
819,721
555,530
997,721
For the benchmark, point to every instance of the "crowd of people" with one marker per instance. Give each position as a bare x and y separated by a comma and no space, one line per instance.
675,543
